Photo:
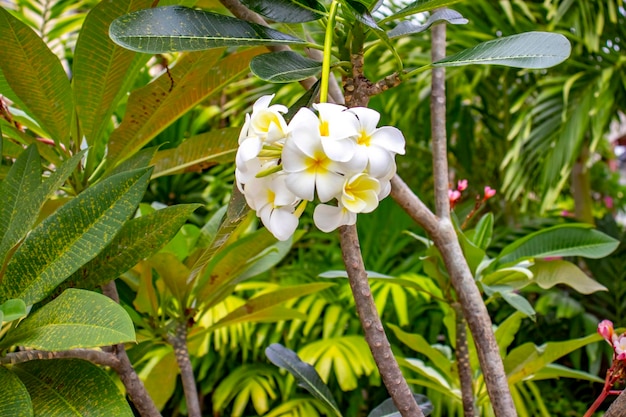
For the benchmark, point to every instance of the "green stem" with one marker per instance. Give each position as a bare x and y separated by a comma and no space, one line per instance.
328,43
416,71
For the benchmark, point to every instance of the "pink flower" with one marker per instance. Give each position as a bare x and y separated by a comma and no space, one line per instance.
454,195
619,345
489,192
608,202
605,328
461,185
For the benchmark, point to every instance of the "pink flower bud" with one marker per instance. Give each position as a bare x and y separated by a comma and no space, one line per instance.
621,356
608,202
489,192
605,328
454,195
461,185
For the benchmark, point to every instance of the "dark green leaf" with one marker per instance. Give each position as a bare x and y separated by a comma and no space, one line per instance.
174,28
72,236
420,6
14,401
306,100
75,319
483,231
410,27
388,409
13,310
284,67
510,296
305,374
71,387
287,11
525,50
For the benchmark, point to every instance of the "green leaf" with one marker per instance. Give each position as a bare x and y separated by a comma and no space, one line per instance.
305,374
409,27
284,67
287,11
560,240
72,236
483,232
510,296
155,106
159,374
556,371
525,50
71,387
269,299
547,274
139,238
198,152
13,310
174,274
172,29
388,409
102,71
24,58
14,401
75,319
528,359
506,331
306,100
420,6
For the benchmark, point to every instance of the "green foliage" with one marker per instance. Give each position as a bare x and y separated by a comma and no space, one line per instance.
293,67
287,11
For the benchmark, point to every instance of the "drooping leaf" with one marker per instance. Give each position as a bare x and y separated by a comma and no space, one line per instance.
420,6
75,319
14,401
72,236
525,50
284,67
198,152
173,28
444,15
71,387
287,11
154,107
556,371
13,310
159,374
102,71
305,374
515,300
388,409
306,100
139,238
174,274
560,240
483,231
547,274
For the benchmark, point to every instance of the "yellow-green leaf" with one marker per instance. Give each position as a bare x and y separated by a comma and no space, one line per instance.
14,401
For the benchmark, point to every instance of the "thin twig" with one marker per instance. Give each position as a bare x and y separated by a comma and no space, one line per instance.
372,326
97,357
463,363
179,341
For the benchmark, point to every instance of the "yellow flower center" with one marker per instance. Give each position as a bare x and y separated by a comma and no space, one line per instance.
324,128
364,138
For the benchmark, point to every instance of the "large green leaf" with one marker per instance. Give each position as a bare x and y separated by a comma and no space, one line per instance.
287,11
36,76
138,239
102,71
75,319
525,50
305,374
72,236
560,240
547,274
71,387
528,359
14,401
154,107
198,152
420,6
174,28
284,67
13,309
444,15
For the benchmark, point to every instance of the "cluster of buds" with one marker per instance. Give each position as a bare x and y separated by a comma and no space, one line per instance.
455,195
336,154
617,342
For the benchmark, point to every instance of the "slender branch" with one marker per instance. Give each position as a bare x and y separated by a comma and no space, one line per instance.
372,326
97,357
618,407
134,387
413,206
438,123
463,363
179,342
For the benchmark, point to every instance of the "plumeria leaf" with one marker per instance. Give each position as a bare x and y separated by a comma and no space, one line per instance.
14,401
525,50
305,374
420,6
547,274
174,28
445,15
306,100
515,300
388,409
287,11
284,67
13,310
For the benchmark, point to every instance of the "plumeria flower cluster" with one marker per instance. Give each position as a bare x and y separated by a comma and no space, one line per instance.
336,154
617,342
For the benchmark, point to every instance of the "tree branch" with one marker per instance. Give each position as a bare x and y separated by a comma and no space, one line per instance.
97,357
463,363
179,341
618,407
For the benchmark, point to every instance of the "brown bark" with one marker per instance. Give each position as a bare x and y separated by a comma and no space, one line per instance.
179,341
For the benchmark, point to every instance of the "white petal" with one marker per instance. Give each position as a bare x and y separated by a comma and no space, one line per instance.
301,184
245,129
282,195
385,189
356,164
380,161
249,149
262,103
294,160
328,110
329,185
340,150
368,118
282,223
328,218
389,138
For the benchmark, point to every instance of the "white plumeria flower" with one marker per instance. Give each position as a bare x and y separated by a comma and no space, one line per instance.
274,204
338,131
328,218
265,122
246,171
378,145
360,193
